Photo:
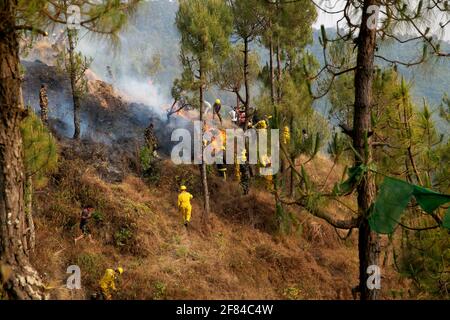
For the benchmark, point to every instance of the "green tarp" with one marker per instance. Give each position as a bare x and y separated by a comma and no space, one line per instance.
393,197
355,174
429,200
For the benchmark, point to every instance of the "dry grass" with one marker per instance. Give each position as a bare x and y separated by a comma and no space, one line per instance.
241,256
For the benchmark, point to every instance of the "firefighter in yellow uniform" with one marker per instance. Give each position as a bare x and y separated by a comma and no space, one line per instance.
108,282
184,205
286,135
244,172
265,163
263,124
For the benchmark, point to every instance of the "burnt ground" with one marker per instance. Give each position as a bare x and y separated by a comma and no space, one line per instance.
107,117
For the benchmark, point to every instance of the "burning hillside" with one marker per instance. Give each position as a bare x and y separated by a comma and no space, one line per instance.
108,116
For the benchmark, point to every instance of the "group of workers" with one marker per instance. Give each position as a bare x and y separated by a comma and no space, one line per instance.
107,284
237,114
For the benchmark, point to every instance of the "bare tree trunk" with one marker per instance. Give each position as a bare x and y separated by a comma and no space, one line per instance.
291,178
246,84
73,84
18,279
278,52
291,184
203,172
368,244
272,72
246,173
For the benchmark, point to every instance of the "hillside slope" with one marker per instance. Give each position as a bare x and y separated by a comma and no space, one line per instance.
137,226
241,255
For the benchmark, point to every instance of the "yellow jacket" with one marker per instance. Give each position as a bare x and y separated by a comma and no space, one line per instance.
108,280
265,160
261,124
286,135
184,199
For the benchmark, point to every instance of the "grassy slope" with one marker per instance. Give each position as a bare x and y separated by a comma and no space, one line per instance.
138,226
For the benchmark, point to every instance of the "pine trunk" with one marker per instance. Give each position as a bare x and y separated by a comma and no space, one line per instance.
246,172
291,178
246,84
278,52
272,72
203,172
368,244
30,231
73,85
18,279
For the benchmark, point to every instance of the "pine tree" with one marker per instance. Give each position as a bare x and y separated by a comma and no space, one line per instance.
101,18
363,34
205,27
40,159
18,278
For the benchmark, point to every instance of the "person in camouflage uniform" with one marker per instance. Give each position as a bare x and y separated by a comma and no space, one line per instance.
43,103
151,140
245,173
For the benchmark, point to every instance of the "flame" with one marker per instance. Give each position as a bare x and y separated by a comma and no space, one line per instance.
218,139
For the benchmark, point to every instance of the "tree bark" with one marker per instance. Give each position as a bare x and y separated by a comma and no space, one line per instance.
291,178
278,53
73,84
18,279
246,84
203,172
272,72
368,244
30,231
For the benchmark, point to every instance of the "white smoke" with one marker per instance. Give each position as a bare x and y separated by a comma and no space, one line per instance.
129,63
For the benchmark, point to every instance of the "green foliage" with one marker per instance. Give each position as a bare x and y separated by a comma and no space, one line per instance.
205,26
123,236
92,266
287,221
105,18
146,158
159,290
75,64
149,165
293,293
337,146
425,258
97,216
229,75
444,108
247,16
186,178
40,150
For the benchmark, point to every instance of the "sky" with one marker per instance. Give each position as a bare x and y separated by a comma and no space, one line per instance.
329,20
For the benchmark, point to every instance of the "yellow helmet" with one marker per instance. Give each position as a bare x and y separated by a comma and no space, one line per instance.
183,188
120,270
218,101
244,155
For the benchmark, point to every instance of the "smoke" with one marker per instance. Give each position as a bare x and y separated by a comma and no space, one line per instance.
144,64
141,70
